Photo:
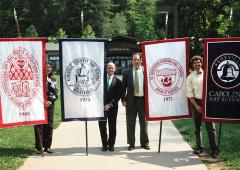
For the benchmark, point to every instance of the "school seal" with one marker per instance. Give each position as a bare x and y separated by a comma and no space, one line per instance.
225,71
20,77
82,76
166,76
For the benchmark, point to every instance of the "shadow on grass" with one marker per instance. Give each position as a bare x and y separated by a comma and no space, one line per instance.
15,152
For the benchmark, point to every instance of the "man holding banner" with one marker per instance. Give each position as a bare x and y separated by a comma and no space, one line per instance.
112,92
133,99
194,94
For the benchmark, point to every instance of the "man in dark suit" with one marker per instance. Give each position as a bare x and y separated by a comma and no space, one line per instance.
112,92
132,97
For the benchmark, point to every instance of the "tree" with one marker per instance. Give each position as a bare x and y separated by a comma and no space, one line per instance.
95,14
31,32
88,32
234,28
141,16
7,23
115,26
60,34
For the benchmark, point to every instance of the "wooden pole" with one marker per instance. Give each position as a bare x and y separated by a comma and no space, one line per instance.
166,25
230,22
17,25
160,137
86,132
166,36
82,27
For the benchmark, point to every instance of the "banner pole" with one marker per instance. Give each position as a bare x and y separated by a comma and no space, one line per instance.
219,136
160,137
86,131
230,22
17,25
166,35
166,25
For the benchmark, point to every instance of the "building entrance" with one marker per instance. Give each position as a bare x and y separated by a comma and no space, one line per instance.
120,50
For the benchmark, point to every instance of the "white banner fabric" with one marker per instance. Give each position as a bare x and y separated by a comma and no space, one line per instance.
82,71
165,64
22,88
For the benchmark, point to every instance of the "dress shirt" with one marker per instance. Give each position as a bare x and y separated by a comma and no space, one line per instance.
140,76
109,80
195,84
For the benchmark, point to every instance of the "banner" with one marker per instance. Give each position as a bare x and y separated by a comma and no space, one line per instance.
221,98
23,77
165,63
82,79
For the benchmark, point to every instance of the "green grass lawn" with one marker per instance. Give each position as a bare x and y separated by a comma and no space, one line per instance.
230,140
17,143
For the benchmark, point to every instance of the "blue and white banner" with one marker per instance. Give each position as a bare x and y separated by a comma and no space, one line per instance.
165,63
82,79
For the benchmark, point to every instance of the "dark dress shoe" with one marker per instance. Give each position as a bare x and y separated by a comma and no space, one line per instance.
48,150
37,152
111,148
130,148
198,151
104,149
214,155
146,147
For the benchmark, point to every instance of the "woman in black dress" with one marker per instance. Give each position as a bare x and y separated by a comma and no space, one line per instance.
45,131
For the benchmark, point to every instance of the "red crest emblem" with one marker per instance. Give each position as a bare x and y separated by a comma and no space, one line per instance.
20,77
166,76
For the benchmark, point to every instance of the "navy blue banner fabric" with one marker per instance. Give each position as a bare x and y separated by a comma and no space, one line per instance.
221,98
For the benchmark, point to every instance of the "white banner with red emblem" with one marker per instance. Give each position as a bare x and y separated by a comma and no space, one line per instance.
82,79
165,63
22,68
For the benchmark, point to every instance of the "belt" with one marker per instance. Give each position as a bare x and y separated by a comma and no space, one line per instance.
139,97
199,101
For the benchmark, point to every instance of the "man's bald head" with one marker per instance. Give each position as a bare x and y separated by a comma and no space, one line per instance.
111,68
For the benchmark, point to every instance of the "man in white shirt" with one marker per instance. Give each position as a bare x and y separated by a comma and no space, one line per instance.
194,94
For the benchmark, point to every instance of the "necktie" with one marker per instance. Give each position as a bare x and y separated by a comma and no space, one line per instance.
136,83
108,82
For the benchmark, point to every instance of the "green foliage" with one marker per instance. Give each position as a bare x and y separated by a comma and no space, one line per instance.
88,32
234,28
95,12
140,17
7,23
31,32
60,34
115,26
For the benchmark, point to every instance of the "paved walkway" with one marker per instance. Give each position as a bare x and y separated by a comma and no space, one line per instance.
70,153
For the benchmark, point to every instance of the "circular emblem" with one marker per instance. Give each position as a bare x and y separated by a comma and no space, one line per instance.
20,77
225,71
166,76
82,76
